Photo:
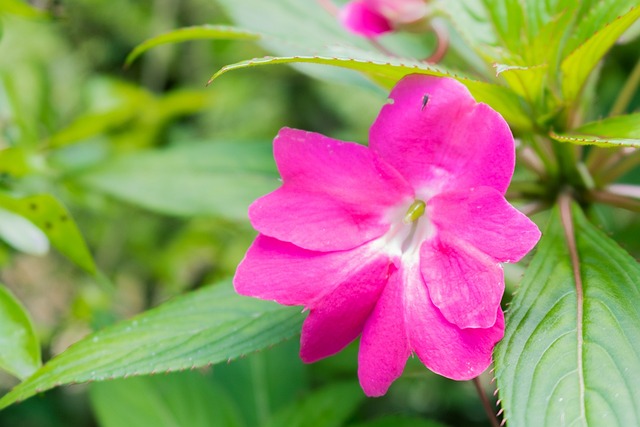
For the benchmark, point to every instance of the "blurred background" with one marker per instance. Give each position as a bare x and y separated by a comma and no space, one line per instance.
157,170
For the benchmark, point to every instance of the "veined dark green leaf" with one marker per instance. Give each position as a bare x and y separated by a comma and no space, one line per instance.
197,329
577,66
613,131
198,178
179,399
200,32
53,218
330,406
388,73
19,345
571,351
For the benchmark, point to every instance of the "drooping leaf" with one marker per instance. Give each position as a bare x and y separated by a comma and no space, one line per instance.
330,406
179,399
200,32
197,329
612,131
19,345
571,351
388,73
577,66
21,234
198,178
53,218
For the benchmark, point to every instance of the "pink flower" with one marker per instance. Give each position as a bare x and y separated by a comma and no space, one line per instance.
371,18
400,242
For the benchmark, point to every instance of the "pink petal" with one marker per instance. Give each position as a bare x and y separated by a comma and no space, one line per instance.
483,218
444,348
384,347
465,284
361,19
439,138
282,272
334,196
338,318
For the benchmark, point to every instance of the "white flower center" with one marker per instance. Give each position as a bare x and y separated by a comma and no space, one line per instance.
410,227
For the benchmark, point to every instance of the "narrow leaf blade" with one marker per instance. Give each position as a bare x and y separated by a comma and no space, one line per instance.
613,131
200,32
201,328
578,65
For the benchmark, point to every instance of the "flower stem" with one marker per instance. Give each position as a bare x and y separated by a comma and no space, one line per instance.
485,403
609,197
627,92
442,40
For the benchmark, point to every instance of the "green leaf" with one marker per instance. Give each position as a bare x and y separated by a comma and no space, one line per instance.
21,234
327,407
527,82
197,329
201,32
571,351
178,399
50,216
20,8
19,346
13,162
612,131
578,65
388,73
196,178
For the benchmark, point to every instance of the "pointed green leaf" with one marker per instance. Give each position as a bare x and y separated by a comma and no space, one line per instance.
388,73
195,178
610,132
179,399
197,329
330,406
21,234
578,65
525,81
201,32
571,351
19,345
53,218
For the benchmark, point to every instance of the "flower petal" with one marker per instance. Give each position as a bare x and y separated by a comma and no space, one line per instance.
465,284
361,19
444,348
384,347
338,318
439,138
282,272
483,218
334,196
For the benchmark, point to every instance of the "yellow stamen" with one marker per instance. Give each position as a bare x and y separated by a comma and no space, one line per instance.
415,211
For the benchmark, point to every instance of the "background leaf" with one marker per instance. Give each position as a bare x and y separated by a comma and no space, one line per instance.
195,178
548,372
50,216
19,345
22,234
178,399
200,32
330,406
207,326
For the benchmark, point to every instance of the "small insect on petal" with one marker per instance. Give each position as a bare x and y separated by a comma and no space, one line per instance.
425,99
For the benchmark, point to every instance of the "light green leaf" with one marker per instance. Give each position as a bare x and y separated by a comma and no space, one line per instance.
328,407
388,73
19,346
179,399
21,234
13,162
612,131
20,8
578,65
201,32
571,351
525,81
197,329
196,178
50,216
